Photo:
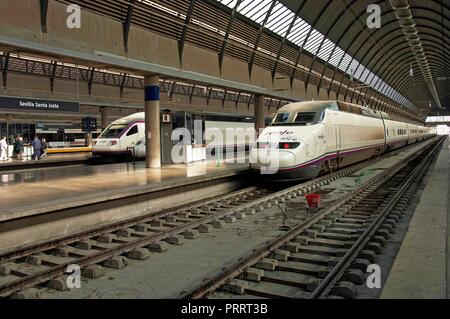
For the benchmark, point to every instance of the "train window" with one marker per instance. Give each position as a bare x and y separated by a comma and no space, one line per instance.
333,106
113,131
133,130
305,118
282,117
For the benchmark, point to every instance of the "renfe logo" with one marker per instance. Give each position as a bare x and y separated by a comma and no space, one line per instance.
281,133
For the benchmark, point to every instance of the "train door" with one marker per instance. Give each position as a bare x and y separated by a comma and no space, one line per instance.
338,138
321,145
335,163
130,138
141,131
311,146
331,139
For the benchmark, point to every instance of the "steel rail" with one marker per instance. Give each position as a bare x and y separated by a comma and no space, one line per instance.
100,256
16,254
267,249
330,280
45,275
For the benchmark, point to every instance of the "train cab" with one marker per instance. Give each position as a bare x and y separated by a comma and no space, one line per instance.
120,135
292,140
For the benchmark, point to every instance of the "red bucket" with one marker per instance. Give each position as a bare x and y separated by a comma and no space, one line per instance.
313,200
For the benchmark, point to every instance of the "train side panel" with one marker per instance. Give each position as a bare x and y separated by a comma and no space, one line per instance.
413,133
359,137
396,134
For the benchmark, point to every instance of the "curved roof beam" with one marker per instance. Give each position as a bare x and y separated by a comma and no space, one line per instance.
332,25
405,17
311,29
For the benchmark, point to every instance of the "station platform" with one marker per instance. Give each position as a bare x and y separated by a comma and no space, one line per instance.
54,159
34,192
422,263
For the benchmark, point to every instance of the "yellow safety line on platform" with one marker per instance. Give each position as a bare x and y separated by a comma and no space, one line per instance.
70,150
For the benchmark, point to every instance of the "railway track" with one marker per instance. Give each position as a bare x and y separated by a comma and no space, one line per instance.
110,247
45,265
328,255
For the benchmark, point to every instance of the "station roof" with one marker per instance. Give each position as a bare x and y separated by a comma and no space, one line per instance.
400,68
414,35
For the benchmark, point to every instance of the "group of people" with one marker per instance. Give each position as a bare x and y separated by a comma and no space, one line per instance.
39,148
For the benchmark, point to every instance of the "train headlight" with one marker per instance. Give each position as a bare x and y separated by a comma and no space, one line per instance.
112,143
288,145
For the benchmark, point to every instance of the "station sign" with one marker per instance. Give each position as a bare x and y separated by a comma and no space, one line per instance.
17,103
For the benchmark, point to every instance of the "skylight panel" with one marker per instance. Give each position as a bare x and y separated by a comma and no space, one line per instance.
300,31
257,10
229,3
247,5
326,49
311,40
278,13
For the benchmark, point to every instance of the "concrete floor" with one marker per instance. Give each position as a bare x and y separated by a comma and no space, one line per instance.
51,158
34,187
421,266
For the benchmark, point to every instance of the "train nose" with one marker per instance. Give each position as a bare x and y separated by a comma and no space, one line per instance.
272,158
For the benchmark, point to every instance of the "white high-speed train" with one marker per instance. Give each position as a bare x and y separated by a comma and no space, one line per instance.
120,135
306,139
126,132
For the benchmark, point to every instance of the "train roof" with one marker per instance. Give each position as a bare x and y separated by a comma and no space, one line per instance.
130,118
315,106
306,106
140,116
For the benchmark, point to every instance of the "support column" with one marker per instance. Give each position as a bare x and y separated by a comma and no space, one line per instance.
89,139
152,122
105,117
259,113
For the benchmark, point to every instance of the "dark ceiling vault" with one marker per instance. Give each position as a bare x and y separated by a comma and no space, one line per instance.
387,51
414,34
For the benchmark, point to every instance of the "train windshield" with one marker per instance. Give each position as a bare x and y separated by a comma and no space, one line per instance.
305,118
299,118
113,131
281,118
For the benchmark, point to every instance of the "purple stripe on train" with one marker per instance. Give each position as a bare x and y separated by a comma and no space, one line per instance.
330,156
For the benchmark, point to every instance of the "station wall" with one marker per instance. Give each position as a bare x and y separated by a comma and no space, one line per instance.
102,34
132,101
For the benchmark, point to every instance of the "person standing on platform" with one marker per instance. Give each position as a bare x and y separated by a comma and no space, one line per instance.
44,148
18,148
3,149
37,147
